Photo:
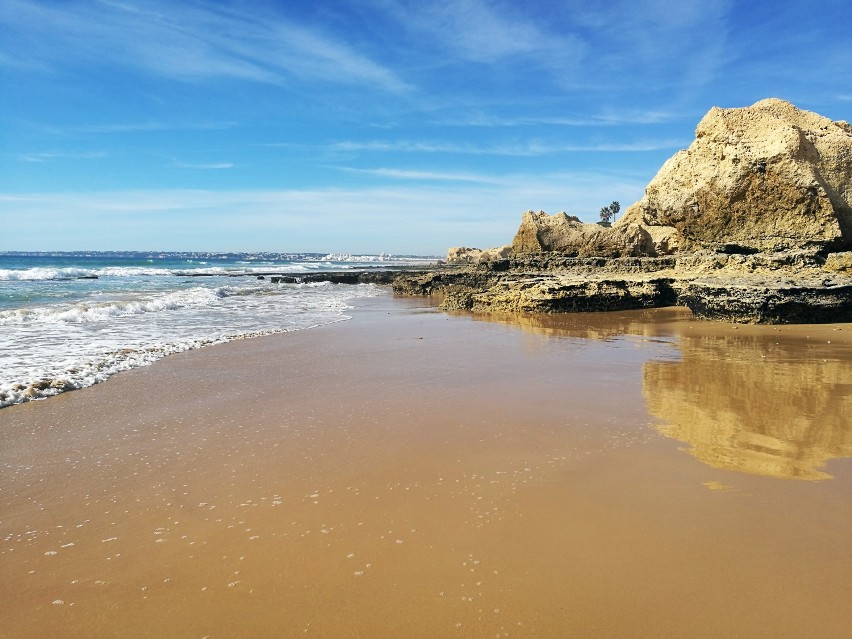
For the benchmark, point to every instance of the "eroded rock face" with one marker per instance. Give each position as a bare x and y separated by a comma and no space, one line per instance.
562,294
563,233
768,177
463,255
466,255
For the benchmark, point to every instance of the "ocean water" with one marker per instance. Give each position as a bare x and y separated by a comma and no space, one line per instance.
70,320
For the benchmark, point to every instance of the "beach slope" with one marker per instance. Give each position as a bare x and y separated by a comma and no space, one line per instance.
415,474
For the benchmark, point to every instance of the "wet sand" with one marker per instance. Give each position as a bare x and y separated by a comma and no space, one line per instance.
414,474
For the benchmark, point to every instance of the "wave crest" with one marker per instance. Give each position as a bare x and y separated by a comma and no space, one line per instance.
83,312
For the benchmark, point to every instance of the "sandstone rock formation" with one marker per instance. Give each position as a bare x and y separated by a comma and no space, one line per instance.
463,255
562,233
839,262
768,177
466,255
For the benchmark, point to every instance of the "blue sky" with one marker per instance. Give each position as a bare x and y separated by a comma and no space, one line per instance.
374,125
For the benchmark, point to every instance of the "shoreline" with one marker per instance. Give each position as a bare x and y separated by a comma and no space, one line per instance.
411,473
103,364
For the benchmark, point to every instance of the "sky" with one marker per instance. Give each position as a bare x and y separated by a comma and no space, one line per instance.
368,126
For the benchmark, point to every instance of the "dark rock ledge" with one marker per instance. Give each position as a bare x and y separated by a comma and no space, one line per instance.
761,289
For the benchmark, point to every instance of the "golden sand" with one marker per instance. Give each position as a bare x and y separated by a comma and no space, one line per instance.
413,474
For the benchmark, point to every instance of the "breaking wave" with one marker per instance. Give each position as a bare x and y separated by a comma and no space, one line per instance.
51,348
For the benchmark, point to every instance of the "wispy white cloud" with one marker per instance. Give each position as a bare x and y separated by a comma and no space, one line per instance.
610,118
48,156
654,48
530,148
603,49
431,176
408,146
135,127
184,41
623,115
638,146
16,60
209,166
487,31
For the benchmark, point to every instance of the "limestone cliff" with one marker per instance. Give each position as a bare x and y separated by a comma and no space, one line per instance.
768,177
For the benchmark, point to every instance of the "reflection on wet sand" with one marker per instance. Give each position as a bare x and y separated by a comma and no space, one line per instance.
754,405
597,326
772,401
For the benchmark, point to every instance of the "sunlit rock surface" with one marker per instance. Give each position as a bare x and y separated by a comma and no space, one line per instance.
763,178
562,233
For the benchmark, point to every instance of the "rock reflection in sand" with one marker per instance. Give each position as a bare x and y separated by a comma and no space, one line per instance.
653,323
772,401
755,405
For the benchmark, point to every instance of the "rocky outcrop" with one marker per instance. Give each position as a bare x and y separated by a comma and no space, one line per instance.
777,288
768,301
563,233
768,177
752,223
565,293
465,255
839,262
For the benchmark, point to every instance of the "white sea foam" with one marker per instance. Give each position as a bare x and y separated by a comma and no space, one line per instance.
46,273
36,274
47,349
99,312
71,273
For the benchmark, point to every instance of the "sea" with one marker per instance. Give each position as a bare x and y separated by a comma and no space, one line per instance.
70,320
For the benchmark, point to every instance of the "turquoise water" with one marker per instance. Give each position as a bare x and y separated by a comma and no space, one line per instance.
69,320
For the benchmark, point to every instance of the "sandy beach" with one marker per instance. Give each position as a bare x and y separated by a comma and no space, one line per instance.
410,473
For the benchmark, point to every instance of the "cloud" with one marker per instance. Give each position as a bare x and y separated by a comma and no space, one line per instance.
422,218
184,41
212,166
522,149
649,50
405,146
477,31
48,156
14,60
600,49
439,176
608,118
135,127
